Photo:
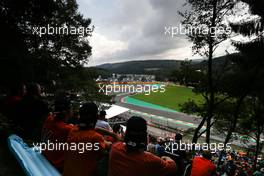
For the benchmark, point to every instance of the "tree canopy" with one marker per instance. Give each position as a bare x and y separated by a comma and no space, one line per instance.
28,56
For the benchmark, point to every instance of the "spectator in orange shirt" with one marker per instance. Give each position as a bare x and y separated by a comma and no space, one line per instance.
56,131
84,163
131,159
32,111
202,166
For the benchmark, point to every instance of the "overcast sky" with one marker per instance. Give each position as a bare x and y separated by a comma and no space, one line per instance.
135,30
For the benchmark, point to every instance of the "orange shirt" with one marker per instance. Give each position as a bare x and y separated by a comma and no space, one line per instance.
137,163
55,131
83,162
112,139
202,167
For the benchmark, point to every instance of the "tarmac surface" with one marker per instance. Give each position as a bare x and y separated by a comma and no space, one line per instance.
169,114
182,121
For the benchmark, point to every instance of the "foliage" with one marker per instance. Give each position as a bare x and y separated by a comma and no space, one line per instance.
186,74
26,56
199,21
203,22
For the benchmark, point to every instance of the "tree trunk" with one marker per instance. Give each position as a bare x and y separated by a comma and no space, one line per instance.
210,77
233,125
235,115
197,130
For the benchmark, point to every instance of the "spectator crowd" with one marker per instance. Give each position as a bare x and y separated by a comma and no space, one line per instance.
113,152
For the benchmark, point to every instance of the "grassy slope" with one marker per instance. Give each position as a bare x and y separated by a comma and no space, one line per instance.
171,98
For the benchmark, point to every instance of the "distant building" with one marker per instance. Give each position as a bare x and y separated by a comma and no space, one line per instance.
127,78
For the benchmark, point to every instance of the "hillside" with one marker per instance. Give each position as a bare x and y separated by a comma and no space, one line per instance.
142,67
160,68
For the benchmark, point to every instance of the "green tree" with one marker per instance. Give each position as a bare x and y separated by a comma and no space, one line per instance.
186,75
81,80
207,15
253,124
27,56
253,62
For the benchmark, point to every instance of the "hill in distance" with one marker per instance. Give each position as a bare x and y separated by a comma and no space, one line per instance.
142,67
160,68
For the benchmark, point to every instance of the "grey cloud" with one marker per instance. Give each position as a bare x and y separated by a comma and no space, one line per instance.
151,39
138,23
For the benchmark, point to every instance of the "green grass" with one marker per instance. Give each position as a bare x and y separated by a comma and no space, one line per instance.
171,98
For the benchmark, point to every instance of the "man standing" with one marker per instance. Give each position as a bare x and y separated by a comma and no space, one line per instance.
230,167
102,123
